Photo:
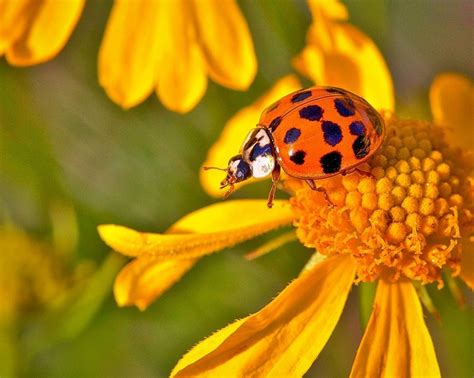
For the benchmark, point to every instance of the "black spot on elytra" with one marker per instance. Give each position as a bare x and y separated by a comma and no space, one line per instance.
357,128
345,106
332,132
375,120
312,112
301,96
298,157
292,135
275,123
361,146
331,162
257,151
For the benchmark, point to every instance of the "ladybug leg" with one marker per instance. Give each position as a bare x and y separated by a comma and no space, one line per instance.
320,189
311,184
275,179
364,173
359,172
229,192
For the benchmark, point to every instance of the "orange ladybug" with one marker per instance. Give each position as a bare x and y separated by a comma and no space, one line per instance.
311,134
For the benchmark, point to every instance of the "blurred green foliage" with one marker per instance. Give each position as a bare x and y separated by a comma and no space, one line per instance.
62,139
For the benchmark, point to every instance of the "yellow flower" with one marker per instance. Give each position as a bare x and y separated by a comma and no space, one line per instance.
32,275
33,31
340,55
172,47
408,224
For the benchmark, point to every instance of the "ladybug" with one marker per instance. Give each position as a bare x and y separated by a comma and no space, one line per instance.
311,134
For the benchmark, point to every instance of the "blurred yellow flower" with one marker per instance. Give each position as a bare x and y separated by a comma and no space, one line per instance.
340,55
32,275
172,47
409,223
34,31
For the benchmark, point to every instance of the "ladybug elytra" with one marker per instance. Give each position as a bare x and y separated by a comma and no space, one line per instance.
311,134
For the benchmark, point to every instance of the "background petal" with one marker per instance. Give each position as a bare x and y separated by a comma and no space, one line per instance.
130,51
452,105
13,21
285,337
234,133
204,231
332,9
146,278
33,32
340,55
227,43
182,73
396,342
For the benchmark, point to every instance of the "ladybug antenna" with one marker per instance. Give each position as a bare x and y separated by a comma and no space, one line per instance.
219,169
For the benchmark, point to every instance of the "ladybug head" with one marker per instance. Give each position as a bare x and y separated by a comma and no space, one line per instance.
237,170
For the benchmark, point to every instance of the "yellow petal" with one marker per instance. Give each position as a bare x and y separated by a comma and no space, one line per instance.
452,104
130,51
33,32
332,9
227,43
235,131
12,21
285,337
204,231
396,342
340,55
182,74
146,278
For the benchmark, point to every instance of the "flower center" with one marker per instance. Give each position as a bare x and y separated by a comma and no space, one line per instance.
407,219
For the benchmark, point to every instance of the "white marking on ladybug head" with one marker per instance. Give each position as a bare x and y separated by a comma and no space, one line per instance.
262,166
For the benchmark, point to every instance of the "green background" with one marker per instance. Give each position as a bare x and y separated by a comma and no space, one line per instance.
63,140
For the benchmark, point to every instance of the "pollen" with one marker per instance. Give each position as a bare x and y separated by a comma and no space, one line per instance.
407,219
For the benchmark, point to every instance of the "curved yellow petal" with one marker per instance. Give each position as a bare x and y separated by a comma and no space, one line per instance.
182,73
204,231
33,31
130,51
396,342
226,42
285,337
452,105
235,131
332,9
12,21
146,278
340,55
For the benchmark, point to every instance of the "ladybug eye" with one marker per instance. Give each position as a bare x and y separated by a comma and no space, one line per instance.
238,168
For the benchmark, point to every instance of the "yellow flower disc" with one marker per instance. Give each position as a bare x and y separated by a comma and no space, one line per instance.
406,220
